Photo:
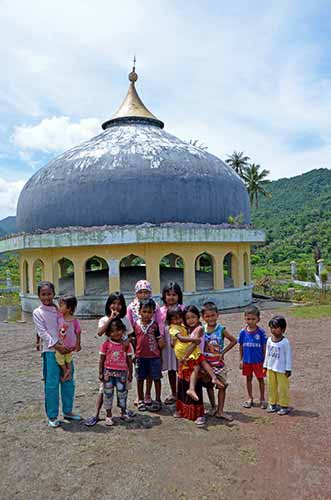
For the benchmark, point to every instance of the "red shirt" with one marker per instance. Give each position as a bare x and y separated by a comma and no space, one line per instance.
116,355
147,340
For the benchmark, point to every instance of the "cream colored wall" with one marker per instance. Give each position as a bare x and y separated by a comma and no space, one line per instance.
152,253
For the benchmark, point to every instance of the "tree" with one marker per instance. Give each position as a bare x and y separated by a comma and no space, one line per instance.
238,162
255,180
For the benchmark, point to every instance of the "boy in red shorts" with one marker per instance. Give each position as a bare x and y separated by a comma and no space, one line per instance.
252,345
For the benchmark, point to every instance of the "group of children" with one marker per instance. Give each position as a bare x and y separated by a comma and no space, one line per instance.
187,343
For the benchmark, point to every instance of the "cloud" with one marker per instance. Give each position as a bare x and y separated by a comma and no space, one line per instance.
9,192
55,134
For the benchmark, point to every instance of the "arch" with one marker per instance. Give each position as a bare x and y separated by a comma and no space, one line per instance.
64,273
38,271
230,270
96,276
25,277
204,272
172,269
132,269
246,269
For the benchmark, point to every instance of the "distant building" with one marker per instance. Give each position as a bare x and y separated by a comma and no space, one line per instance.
134,202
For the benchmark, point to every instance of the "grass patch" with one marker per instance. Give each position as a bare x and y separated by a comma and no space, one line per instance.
247,456
310,312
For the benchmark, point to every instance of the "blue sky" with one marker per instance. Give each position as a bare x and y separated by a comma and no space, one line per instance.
251,76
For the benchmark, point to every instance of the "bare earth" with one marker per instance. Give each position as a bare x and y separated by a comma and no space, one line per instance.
259,456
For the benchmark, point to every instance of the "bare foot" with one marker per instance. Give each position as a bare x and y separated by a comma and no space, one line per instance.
218,383
192,394
225,417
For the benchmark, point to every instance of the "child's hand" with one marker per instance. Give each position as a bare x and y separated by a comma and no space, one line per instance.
101,377
288,373
61,348
161,343
78,348
240,365
264,371
37,345
196,341
130,378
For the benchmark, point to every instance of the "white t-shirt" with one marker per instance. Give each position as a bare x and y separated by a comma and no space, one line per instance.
278,356
125,321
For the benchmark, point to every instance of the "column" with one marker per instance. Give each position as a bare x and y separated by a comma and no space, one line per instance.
218,272
31,277
189,274
79,267
114,275
293,269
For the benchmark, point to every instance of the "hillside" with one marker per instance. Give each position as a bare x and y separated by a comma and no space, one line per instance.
7,225
297,217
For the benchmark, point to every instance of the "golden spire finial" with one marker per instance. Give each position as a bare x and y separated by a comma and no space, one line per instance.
133,77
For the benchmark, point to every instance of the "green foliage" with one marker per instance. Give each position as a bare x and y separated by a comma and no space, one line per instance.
324,276
10,262
311,312
296,219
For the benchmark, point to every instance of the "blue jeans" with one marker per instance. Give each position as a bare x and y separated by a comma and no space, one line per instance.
52,381
114,379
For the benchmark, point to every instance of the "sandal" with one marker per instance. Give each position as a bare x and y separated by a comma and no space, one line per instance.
109,421
200,421
248,404
142,406
54,423
148,401
263,405
91,421
155,406
177,415
77,418
170,400
126,416
212,412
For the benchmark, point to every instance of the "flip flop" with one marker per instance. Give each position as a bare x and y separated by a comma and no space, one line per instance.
155,406
77,418
170,400
142,406
109,421
91,421
54,423
248,404
200,422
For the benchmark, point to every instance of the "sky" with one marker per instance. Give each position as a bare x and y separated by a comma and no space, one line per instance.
247,76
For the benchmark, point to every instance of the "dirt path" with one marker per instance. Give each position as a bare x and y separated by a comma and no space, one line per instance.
259,457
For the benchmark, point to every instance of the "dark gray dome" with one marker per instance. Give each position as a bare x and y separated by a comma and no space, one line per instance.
132,173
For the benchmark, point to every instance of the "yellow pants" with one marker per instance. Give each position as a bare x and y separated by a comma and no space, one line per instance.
63,359
278,386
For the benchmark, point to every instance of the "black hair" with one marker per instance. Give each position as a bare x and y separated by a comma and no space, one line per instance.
253,310
116,296
149,303
47,284
278,322
209,306
193,310
70,301
172,312
172,286
116,324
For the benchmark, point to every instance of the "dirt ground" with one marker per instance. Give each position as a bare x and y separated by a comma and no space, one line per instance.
259,456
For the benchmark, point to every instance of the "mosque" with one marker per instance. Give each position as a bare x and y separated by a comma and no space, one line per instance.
135,202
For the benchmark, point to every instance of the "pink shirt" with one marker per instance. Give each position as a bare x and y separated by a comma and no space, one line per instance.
47,325
68,331
116,354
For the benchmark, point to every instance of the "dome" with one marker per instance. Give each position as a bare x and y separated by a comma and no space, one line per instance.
132,173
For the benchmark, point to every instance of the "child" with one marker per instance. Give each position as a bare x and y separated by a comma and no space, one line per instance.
214,351
172,296
278,366
115,369
149,343
69,335
115,308
46,320
252,341
187,347
143,291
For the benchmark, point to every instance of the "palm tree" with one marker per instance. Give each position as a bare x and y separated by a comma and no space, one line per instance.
238,162
255,179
